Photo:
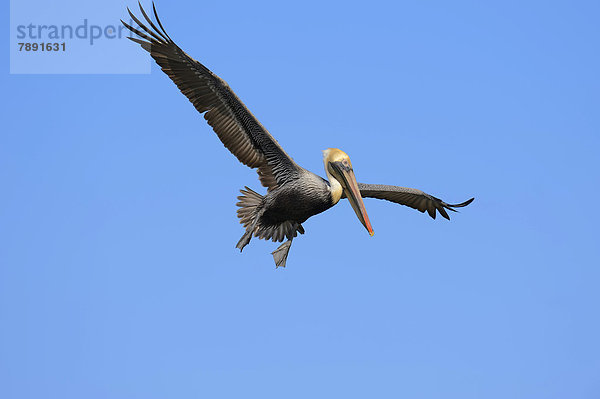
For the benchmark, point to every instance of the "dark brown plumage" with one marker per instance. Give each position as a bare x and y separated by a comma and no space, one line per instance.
235,125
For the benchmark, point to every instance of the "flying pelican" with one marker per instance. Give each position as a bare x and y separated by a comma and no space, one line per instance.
293,193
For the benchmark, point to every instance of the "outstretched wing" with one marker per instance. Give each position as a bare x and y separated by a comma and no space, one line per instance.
235,125
414,198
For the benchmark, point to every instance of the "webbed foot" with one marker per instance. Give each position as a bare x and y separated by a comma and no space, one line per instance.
281,253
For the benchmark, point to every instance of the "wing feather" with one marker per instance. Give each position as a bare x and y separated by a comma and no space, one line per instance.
411,197
240,132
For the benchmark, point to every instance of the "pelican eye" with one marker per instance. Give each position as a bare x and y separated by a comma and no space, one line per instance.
341,165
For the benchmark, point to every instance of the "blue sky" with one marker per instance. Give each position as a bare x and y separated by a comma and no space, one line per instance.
118,272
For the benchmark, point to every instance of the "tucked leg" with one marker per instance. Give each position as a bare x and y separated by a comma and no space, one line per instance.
245,240
281,253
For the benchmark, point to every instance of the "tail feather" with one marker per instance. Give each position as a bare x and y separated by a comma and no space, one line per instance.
249,203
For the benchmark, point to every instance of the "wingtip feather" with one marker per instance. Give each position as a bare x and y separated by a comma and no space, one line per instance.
467,202
444,213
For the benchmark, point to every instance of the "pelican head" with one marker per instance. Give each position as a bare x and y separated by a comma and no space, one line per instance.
341,177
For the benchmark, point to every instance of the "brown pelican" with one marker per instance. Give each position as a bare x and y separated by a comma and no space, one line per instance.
293,193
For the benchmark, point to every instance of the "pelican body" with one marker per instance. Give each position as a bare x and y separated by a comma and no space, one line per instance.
294,194
282,211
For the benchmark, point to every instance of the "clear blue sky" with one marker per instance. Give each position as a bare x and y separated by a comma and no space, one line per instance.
118,272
